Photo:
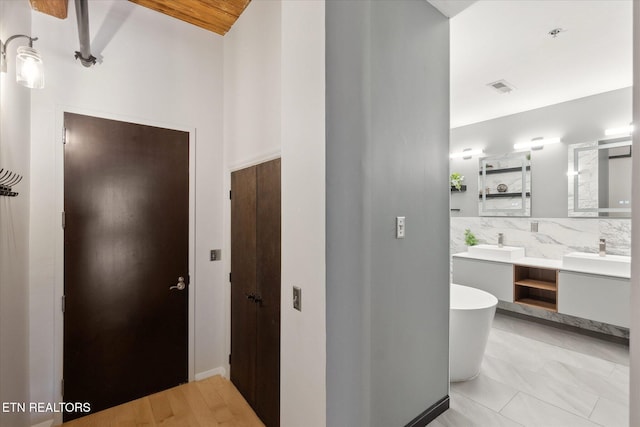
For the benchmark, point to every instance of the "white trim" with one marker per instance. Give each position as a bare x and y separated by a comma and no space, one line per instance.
220,370
59,238
256,160
47,423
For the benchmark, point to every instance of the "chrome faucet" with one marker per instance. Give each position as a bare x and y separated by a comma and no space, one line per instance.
500,240
603,247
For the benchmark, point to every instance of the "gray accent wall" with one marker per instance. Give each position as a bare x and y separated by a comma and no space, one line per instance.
579,120
387,70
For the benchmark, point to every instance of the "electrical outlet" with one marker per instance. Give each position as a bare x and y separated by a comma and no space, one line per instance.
297,298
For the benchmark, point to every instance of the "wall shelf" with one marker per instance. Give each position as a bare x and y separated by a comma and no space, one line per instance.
504,170
463,188
504,195
535,287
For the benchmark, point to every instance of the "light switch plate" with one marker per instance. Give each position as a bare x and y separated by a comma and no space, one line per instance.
400,228
297,298
215,255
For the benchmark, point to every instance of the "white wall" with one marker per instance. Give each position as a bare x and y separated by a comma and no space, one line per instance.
303,356
274,105
635,231
15,18
156,70
252,105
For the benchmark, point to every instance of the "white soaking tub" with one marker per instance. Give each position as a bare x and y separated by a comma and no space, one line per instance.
471,314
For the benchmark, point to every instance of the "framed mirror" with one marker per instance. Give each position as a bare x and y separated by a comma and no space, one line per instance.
504,184
599,183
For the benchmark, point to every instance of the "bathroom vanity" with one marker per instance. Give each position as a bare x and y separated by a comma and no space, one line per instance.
595,298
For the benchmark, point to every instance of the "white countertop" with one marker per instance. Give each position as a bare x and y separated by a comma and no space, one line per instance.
540,262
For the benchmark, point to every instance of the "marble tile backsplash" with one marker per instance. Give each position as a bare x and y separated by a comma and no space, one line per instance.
555,236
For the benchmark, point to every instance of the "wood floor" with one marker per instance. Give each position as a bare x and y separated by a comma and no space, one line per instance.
213,402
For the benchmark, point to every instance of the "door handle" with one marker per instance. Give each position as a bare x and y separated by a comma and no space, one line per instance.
180,286
250,296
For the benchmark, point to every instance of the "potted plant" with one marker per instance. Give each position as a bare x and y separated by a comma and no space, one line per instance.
456,181
470,238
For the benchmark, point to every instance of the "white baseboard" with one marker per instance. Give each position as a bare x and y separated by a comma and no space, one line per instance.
47,423
210,373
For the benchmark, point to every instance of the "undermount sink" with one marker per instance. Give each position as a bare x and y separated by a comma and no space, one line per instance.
589,262
494,252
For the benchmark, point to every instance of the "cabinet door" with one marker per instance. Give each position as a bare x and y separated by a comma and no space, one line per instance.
243,282
493,277
255,287
268,289
600,298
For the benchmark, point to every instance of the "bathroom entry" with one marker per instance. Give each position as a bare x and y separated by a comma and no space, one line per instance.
255,288
126,238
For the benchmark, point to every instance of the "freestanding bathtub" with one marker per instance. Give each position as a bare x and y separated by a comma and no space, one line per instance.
471,315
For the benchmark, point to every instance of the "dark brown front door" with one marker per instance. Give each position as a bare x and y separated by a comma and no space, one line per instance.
126,236
255,287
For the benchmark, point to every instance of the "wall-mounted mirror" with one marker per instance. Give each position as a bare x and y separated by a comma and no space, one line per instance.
504,185
600,178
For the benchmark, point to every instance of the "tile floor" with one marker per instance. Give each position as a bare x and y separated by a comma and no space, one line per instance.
537,375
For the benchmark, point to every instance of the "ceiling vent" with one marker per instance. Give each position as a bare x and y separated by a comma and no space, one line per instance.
501,86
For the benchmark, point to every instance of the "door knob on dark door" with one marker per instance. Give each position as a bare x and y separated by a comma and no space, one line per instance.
250,296
180,286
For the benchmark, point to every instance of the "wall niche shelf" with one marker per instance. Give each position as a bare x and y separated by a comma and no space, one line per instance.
503,170
503,195
463,188
535,287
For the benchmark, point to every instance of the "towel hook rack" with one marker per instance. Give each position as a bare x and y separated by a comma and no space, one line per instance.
7,180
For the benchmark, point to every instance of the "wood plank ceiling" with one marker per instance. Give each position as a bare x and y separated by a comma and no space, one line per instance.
57,8
213,15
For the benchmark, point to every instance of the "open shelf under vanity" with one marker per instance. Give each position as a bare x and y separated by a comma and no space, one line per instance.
535,287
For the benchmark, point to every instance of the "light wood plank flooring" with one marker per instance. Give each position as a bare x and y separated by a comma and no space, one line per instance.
213,402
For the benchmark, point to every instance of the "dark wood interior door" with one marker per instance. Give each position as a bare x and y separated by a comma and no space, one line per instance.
255,287
243,282
126,236
268,292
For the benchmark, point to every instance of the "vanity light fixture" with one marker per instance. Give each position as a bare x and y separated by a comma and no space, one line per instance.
467,153
536,143
29,68
625,130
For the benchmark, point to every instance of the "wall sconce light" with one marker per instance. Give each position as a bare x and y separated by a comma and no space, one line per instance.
29,68
466,154
625,130
536,143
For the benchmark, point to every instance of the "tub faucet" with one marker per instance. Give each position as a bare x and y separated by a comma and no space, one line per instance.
603,247
500,240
